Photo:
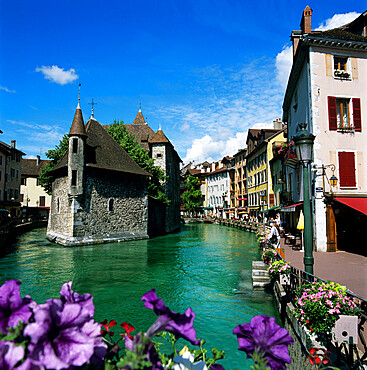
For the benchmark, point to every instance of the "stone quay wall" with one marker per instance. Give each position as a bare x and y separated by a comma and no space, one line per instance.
111,209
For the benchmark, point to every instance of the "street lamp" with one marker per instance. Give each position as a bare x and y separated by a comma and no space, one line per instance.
303,142
263,198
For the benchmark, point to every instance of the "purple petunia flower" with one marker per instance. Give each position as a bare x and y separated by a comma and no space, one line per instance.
64,335
265,337
181,325
13,308
69,296
10,355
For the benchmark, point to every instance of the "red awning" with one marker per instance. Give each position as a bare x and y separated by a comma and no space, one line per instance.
359,204
291,208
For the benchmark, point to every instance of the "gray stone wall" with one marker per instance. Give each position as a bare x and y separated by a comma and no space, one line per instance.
165,157
88,220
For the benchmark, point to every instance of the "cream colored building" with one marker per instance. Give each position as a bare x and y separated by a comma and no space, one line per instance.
327,91
34,200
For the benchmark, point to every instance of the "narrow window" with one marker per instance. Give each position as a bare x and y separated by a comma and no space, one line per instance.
159,155
58,205
42,200
75,145
73,177
23,181
342,113
110,205
37,182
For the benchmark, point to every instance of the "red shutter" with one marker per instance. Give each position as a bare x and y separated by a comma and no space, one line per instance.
347,169
357,120
332,113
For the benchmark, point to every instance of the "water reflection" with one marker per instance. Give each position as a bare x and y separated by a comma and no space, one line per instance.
206,267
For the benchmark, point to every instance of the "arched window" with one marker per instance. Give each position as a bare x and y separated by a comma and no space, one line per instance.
110,205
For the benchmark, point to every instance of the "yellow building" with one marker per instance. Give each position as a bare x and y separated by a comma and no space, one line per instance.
259,186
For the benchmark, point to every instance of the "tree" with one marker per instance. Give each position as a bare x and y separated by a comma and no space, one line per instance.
128,142
191,198
45,178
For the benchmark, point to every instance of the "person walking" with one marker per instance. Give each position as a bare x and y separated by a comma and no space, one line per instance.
274,236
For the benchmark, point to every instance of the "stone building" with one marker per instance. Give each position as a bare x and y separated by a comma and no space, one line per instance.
99,193
165,156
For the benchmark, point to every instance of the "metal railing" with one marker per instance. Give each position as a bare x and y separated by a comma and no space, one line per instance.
354,356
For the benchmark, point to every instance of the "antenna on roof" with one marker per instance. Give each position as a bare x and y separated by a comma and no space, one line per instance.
139,107
92,104
79,97
160,126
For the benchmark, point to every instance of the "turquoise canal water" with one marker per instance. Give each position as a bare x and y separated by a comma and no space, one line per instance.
205,267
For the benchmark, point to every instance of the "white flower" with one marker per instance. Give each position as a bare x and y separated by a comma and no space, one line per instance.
185,362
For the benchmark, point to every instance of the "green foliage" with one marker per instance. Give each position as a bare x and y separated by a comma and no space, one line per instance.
128,142
319,305
45,178
191,198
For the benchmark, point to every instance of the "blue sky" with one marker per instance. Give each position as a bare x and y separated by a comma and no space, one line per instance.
206,71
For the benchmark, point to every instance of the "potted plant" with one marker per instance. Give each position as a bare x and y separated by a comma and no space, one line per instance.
269,255
319,305
282,269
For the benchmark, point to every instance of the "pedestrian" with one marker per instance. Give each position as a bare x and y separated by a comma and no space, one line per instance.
274,236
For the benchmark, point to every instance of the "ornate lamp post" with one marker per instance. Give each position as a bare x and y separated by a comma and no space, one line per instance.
303,142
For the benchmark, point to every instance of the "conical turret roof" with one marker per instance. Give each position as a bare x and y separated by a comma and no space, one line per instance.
159,137
77,127
139,119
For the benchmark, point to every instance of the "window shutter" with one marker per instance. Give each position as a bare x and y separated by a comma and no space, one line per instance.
332,113
357,120
347,169
329,66
271,200
354,68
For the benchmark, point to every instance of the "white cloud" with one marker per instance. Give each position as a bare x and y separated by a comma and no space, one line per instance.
7,90
208,149
283,64
227,102
30,157
58,75
337,20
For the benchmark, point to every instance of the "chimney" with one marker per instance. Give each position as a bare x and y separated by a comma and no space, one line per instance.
306,20
13,143
277,124
38,160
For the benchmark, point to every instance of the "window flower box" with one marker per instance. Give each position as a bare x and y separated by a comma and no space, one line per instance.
345,129
341,74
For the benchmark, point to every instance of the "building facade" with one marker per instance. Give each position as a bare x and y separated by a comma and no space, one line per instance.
34,200
99,193
326,90
10,177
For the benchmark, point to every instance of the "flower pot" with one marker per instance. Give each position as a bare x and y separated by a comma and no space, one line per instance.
284,279
346,327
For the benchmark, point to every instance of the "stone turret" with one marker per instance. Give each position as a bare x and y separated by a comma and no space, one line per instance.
76,157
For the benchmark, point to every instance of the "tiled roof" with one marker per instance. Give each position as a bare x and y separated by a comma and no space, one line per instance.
77,127
30,168
103,152
142,133
159,137
338,34
139,119
8,148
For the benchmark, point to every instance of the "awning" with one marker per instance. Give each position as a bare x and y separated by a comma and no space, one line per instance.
230,212
359,204
272,208
291,208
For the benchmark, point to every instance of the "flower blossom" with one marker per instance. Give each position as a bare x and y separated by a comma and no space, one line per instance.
64,334
181,325
266,338
10,355
13,308
185,361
